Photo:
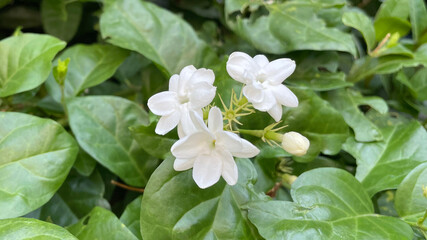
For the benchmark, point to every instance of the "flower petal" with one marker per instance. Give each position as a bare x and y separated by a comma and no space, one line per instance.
201,95
184,78
248,150
215,122
229,141
202,75
192,145
163,103
276,112
278,70
182,164
267,102
254,93
197,119
207,169
174,83
229,168
167,123
239,65
261,60
284,96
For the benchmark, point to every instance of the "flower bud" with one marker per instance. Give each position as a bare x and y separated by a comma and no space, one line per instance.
295,143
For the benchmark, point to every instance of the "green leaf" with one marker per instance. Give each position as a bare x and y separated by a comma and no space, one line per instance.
131,216
89,65
101,224
329,203
383,165
347,102
304,30
363,24
84,164
417,83
101,126
391,18
313,118
26,61
61,18
36,156
24,228
319,81
174,207
159,35
410,202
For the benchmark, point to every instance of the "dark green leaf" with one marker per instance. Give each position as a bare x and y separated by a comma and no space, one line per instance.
36,155
392,17
363,24
101,224
194,213
328,203
61,18
26,61
24,228
417,83
101,126
131,215
319,81
84,164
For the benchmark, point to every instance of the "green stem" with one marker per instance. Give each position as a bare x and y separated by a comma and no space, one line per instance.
273,136
256,133
421,220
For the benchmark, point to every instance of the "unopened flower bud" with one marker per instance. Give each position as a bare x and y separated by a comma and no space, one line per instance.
295,143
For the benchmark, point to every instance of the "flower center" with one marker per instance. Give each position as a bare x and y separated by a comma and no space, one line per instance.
261,77
183,99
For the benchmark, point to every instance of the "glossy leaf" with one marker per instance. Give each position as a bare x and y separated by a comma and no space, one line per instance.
193,213
89,65
60,18
417,83
383,165
131,215
347,102
328,203
392,17
24,228
158,34
84,164
101,126
26,61
363,24
411,202
36,156
101,224
319,81
418,16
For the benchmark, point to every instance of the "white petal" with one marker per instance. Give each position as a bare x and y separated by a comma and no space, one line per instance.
215,122
261,60
167,123
278,70
182,164
192,145
163,103
202,75
201,95
229,141
184,78
174,83
198,122
248,150
207,169
238,63
229,168
267,102
186,125
254,93
276,112
284,96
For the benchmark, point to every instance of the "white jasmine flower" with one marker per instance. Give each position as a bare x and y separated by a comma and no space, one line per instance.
295,143
263,79
189,91
210,150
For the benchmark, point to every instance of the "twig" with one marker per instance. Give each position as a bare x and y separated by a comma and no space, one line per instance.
273,191
141,190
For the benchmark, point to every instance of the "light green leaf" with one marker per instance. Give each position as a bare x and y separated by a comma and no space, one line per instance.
101,126
347,102
101,224
363,24
26,61
36,156
319,81
159,35
24,228
89,65
392,17
313,118
383,165
174,207
411,203
329,203
131,215
61,18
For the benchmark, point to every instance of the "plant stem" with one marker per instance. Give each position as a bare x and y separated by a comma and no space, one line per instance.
141,190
